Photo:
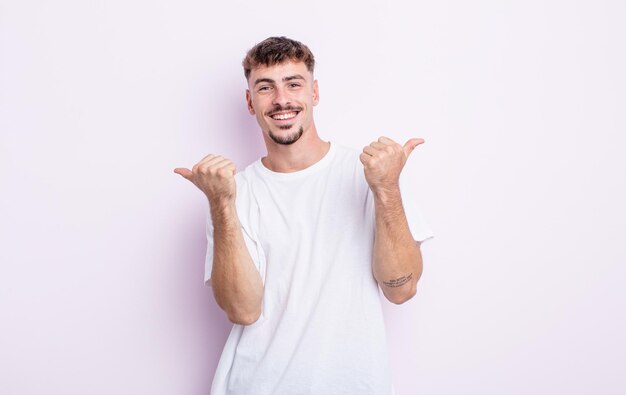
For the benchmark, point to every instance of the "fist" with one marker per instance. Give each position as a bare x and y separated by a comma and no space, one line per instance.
383,161
215,176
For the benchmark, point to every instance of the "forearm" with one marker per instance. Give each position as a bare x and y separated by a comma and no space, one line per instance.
397,261
236,282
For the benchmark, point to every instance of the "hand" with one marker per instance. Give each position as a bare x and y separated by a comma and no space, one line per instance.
383,160
215,176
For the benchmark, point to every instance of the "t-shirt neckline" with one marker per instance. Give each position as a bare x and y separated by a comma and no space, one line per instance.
320,164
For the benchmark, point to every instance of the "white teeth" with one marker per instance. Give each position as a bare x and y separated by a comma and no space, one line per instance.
285,116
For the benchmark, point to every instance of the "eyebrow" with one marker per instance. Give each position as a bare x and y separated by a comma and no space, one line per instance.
285,79
293,77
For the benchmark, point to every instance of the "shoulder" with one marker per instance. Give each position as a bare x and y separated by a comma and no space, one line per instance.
348,162
346,154
345,151
244,177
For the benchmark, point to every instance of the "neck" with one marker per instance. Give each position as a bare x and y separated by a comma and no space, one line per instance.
308,150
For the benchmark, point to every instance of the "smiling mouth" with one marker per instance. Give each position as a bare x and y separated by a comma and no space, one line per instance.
285,116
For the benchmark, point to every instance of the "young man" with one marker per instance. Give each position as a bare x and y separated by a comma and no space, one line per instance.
300,241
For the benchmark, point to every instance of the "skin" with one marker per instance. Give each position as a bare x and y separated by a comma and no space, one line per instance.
397,262
293,145
274,90
236,283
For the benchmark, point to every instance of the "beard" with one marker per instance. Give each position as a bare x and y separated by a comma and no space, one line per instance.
287,140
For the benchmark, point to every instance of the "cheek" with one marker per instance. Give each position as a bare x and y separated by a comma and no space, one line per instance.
257,108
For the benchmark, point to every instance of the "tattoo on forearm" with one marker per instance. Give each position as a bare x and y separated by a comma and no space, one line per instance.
398,281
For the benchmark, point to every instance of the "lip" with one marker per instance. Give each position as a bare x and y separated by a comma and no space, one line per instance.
284,120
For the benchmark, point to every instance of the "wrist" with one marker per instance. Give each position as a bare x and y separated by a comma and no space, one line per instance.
384,194
222,206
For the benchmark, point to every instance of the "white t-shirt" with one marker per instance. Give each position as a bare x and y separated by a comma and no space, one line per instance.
310,233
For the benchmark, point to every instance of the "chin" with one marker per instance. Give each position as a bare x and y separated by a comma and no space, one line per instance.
286,139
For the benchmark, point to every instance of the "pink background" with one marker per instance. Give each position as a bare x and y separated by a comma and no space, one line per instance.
522,179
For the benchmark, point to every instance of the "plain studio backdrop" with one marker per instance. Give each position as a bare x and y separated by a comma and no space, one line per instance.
522,178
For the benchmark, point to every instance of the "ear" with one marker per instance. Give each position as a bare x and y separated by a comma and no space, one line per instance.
316,93
249,101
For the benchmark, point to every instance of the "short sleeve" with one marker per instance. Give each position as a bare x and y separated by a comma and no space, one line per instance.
208,261
420,229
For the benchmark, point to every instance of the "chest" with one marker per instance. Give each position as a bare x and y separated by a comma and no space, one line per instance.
319,210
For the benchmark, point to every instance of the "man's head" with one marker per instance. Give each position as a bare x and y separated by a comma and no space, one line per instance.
281,89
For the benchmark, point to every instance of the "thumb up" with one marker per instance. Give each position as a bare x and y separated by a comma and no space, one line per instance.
410,145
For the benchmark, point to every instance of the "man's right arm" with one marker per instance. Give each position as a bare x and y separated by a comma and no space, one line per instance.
236,283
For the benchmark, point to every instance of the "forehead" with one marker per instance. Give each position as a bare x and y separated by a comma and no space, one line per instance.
279,71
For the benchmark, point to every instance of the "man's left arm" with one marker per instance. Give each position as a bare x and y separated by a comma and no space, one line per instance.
397,259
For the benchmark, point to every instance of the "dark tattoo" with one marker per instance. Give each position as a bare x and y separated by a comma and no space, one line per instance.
398,281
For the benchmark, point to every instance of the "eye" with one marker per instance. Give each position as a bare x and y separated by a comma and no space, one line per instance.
294,85
264,88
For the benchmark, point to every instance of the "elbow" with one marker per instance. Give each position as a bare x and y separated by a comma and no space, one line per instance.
240,308
244,316
238,314
247,318
405,293
400,298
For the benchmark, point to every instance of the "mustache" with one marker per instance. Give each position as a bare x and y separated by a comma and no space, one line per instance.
279,108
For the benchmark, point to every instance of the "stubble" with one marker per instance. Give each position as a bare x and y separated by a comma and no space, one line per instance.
287,140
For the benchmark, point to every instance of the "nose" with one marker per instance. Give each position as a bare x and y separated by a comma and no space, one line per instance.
281,97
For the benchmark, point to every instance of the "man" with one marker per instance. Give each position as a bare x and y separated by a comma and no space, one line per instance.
300,241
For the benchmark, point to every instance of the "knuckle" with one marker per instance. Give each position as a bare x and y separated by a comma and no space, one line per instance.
223,172
212,170
204,168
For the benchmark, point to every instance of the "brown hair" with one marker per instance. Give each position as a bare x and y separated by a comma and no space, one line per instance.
277,50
